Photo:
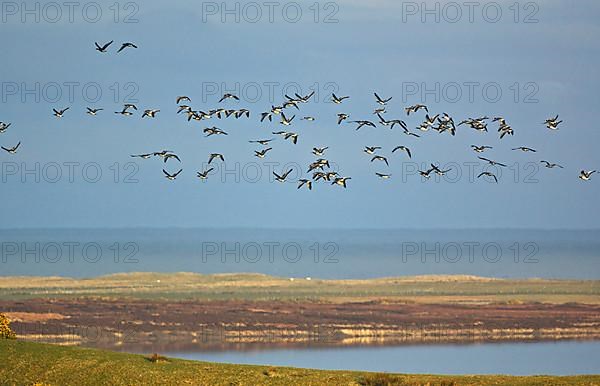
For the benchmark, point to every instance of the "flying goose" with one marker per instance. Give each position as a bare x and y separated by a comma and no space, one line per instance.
480,149
281,178
415,108
228,96
293,136
426,173
303,181
168,156
381,101
12,150
104,47
341,181
525,149
318,164
285,121
319,151
171,177
551,165
126,45
363,123
493,163
403,148
262,153
204,175
305,98
182,98
488,174
241,112
342,117
308,118
552,123
371,149
143,156
59,113
263,142
184,108
213,131
583,175
215,155
4,126
383,176
391,123
337,100
380,158
92,112
150,113
266,115
438,171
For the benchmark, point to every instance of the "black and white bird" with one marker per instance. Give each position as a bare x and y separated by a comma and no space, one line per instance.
380,158
383,176
229,96
552,123
308,118
415,108
380,100
126,45
319,151
404,149
212,156
93,112
439,171
262,153
491,162
59,113
525,149
209,131
363,123
264,142
104,47
286,121
4,127
12,150
342,117
371,149
480,149
303,181
168,156
338,100
143,156
150,113
171,177
182,98
551,165
341,181
488,174
583,175
204,175
281,178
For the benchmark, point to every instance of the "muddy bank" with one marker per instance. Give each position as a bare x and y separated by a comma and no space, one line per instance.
192,325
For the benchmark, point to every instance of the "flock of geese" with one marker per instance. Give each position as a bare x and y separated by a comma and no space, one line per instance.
320,169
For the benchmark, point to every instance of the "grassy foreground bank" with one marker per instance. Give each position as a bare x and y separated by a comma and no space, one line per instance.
26,363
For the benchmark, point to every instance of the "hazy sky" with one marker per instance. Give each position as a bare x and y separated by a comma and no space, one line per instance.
526,61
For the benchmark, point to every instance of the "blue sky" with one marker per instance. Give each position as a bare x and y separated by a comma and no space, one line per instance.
541,68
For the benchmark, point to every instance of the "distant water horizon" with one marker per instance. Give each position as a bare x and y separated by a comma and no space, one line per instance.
319,252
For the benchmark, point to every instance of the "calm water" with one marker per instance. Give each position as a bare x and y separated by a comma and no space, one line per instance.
316,253
562,358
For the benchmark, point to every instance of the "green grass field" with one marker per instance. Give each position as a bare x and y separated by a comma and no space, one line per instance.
188,286
25,363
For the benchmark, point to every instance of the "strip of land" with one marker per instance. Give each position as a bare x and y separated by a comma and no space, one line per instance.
168,312
26,363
